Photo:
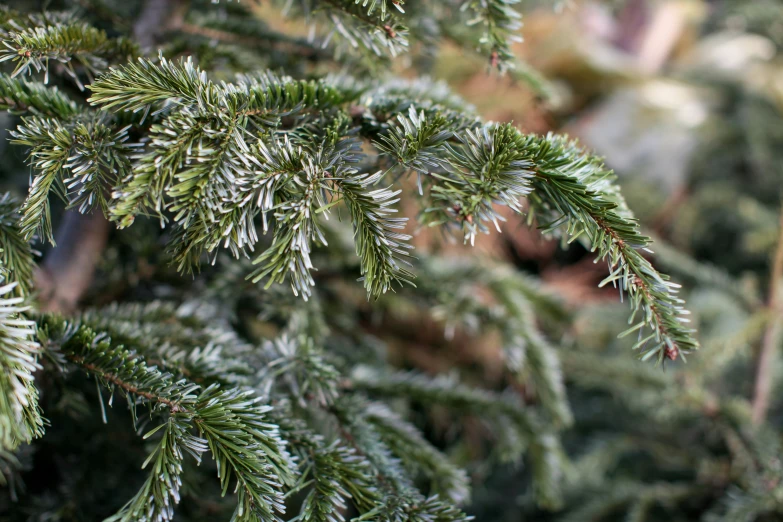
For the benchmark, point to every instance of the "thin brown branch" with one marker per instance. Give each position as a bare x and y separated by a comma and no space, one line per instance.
115,380
68,269
156,18
771,342
14,105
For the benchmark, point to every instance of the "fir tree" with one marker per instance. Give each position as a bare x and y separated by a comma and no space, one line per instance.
243,349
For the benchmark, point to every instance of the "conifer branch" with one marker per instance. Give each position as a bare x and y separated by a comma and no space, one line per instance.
116,367
337,475
244,444
360,23
335,472
448,481
303,368
16,255
540,361
469,168
577,190
380,248
142,84
516,428
177,339
68,43
565,185
501,23
399,500
21,96
20,415
250,452
485,298
445,392
79,162
50,146
160,493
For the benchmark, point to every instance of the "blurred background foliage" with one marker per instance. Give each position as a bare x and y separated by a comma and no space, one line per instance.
683,98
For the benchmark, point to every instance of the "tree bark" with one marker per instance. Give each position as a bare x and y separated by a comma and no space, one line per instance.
767,358
156,18
68,269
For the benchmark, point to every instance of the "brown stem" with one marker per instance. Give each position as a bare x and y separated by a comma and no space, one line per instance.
156,18
770,344
115,380
14,105
68,269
